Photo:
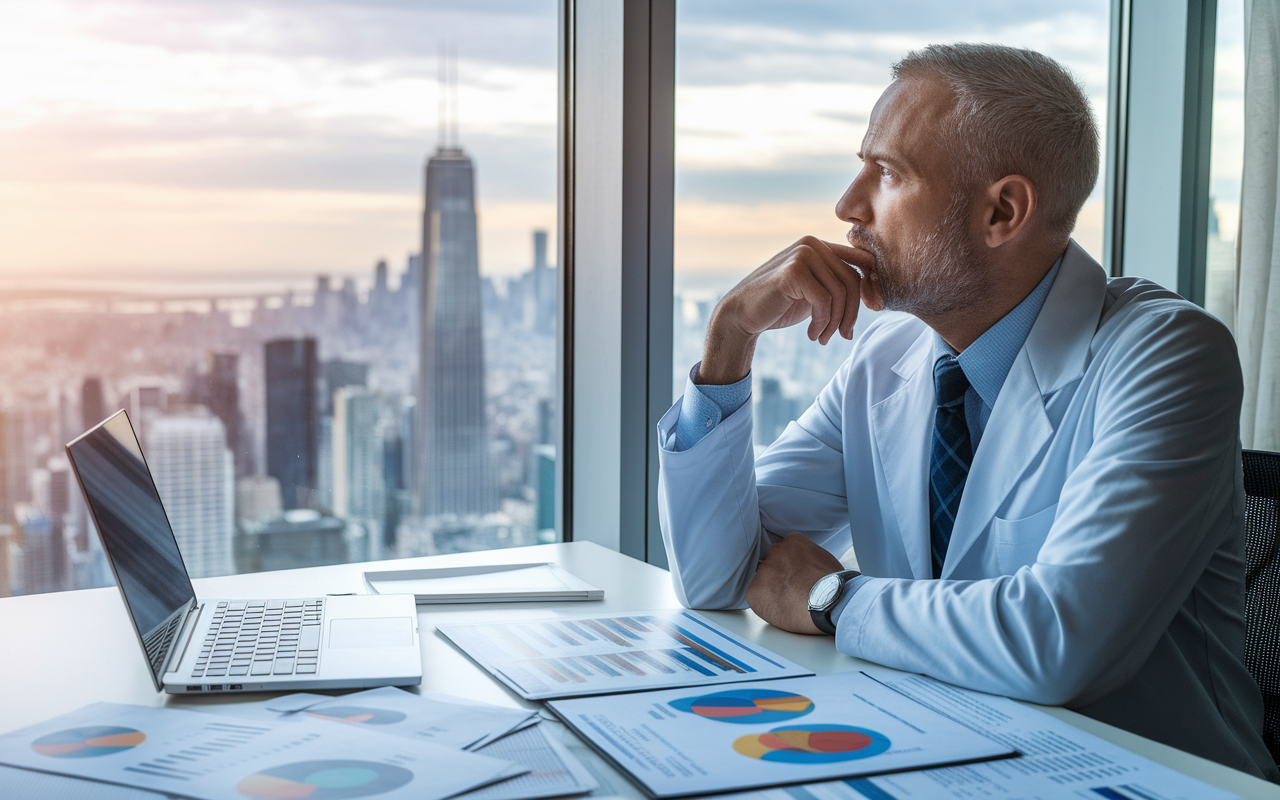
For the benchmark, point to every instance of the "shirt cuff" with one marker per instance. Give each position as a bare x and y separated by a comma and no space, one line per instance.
705,406
850,589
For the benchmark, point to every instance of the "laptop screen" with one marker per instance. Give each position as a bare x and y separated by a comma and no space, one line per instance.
136,535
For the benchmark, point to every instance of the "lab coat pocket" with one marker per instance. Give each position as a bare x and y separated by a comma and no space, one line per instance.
1017,542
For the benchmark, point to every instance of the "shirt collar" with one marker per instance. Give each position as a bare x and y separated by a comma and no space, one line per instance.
986,362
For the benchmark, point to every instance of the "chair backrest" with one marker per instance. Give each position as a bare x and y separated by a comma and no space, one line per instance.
1262,585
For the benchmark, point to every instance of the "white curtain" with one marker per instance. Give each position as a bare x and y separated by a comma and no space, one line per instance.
1257,323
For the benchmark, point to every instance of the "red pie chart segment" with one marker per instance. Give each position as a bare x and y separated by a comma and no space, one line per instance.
88,742
746,706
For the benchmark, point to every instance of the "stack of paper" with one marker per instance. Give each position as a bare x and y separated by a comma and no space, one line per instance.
216,757
501,583
384,742
623,652
510,734
437,718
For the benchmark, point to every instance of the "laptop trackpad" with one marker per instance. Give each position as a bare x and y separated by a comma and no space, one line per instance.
375,632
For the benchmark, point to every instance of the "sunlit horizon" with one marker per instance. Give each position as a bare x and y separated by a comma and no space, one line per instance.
239,144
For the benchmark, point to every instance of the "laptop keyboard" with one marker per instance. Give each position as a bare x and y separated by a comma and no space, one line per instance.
262,637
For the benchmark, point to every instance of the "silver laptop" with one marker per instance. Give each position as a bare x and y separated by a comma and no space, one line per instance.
201,645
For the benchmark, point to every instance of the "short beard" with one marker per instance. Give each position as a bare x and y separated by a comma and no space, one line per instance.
937,274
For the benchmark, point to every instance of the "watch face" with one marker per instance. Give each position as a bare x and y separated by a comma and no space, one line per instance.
824,591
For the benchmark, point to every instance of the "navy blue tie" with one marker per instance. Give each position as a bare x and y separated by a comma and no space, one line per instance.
951,457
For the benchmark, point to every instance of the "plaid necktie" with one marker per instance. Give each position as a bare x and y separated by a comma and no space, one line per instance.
952,454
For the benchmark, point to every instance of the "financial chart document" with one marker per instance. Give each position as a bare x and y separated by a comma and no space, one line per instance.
212,757
566,656
1059,761
682,742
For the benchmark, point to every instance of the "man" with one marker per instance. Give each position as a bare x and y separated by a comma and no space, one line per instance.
1038,467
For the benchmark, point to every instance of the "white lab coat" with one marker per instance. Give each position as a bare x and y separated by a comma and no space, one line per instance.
1097,558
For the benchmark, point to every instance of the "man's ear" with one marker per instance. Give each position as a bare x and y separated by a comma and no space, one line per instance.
1010,203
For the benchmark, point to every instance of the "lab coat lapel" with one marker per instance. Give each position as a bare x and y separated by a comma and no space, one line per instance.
901,427
1054,355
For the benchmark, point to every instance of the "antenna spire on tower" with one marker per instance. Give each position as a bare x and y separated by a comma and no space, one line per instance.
447,97
454,117
442,101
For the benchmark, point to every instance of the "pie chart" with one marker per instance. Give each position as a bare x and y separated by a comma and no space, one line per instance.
813,744
99,740
328,779
358,714
747,706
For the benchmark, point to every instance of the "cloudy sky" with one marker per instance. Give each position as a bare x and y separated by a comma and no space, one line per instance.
149,140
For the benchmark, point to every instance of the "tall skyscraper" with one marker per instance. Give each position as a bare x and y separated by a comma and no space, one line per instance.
13,464
359,483
544,286
194,475
291,418
454,475
381,292
93,403
336,374
222,395
44,553
6,582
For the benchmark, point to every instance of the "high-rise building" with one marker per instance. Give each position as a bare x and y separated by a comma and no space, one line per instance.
336,374
257,498
380,295
291,418
221,394
6,581
13,464
544,470
60,496
195,477
544,286
359,486
44,553
298,538
93,402
453,472
60,510
359,483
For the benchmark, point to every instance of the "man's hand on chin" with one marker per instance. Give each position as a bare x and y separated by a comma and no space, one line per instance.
779,593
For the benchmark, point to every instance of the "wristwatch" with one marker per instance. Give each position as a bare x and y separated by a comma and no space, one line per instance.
825,596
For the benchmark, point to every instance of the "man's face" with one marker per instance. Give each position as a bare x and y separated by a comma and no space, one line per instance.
906,210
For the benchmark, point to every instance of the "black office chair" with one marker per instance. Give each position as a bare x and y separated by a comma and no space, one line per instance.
1262,585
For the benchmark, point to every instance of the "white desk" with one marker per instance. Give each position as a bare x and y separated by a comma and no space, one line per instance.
61,651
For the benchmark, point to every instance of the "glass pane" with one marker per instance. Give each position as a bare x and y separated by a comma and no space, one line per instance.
772,102
316,279
1226,162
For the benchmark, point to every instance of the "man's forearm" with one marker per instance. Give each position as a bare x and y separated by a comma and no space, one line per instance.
726,354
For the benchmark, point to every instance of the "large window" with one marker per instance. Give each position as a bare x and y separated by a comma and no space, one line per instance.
314,275
1226,162
772,101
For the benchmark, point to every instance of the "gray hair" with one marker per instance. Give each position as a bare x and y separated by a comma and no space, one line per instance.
1017,112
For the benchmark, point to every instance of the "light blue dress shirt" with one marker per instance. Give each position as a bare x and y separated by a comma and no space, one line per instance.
986,363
